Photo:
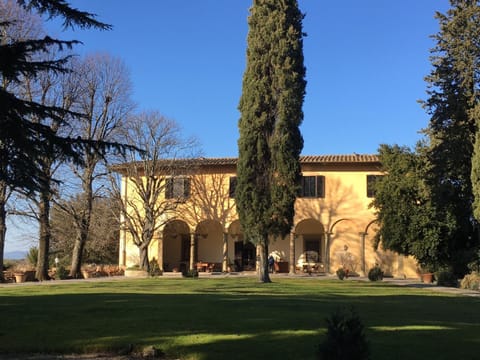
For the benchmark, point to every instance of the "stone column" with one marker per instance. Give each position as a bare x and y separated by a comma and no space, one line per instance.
292,266
160,252
225,252
328,238
192,251
362,239
123,249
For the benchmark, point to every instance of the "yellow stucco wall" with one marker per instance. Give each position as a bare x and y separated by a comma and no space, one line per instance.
342,216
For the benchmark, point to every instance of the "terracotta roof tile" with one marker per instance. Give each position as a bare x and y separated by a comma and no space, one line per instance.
353,158
306,159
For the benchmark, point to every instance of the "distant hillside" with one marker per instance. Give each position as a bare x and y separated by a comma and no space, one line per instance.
15,255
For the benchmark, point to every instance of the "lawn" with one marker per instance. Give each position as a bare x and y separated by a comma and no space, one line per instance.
234,318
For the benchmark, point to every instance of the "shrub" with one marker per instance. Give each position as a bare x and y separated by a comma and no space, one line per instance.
471,281
61,273
375,273
341,273
345,338
191,274
446,278
154,268
32,256
474,266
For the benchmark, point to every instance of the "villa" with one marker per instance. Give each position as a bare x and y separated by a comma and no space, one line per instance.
334,225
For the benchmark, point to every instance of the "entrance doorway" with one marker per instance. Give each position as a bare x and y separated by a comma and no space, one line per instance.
245,255
313,248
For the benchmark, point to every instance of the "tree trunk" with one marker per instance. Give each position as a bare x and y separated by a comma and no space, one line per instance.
83,223
3,228
44,238
263,273
77,253
144,264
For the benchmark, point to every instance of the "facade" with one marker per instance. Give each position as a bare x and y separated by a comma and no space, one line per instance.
333,227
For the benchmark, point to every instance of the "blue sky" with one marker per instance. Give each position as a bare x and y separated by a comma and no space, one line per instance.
365,62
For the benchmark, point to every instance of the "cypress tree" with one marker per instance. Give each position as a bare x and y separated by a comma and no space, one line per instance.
271,112
453,96
475,175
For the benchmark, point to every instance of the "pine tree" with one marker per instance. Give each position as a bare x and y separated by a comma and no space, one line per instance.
271,113
453,95
23,141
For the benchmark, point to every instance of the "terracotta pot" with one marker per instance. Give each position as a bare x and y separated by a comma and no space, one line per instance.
19,277
427,278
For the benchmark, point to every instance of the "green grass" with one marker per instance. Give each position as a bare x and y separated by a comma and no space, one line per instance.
234,318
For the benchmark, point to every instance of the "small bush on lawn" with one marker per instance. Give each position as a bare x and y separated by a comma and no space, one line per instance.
345,338
154,268
375,274
191,274
447,278
341,273
471,281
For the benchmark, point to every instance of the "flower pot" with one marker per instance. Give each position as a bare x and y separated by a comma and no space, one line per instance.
427,278
87,274
19,277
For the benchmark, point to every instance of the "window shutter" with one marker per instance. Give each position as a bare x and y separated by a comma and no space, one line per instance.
301,191
169,188
186,188
233,187
320,191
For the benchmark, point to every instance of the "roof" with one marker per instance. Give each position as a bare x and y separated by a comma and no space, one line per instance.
351,159
305,159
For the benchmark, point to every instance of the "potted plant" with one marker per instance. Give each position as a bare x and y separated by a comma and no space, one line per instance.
426,272
342,273
19,276
22,272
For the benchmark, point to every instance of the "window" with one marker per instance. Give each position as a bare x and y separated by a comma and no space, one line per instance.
177,188
371,180
233,187
312,186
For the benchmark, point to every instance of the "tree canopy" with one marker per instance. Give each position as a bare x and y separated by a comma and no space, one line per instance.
409,223
23,141
452,99
424,203
271,113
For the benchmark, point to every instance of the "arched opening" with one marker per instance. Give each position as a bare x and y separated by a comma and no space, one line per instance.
209,242
176,246
241,253
310,246
344,248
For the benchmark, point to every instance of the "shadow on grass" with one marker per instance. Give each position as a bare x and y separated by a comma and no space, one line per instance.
237,321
